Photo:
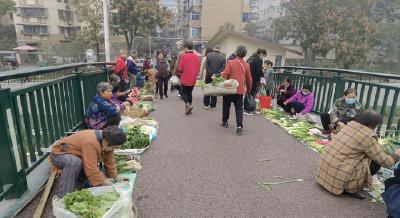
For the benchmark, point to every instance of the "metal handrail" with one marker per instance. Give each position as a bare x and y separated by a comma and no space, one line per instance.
344,71
16,74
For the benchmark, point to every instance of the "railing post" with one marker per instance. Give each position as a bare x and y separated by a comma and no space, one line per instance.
78,85
339,87
11,168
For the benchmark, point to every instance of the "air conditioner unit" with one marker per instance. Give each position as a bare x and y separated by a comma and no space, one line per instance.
67,7
69,22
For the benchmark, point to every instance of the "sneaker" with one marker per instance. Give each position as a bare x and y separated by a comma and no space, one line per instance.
179,95
188,109
166,95
239,131
225,124
248,113
213,108
206,107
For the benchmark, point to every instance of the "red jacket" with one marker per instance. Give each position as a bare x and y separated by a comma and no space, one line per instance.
189,65
239,70
120,67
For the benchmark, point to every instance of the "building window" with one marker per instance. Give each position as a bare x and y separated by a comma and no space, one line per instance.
32,12
246,17
196,33
195,16
59,0
35,30
66,1
65,15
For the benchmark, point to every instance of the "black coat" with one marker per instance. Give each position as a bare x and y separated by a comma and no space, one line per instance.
256,68
215,64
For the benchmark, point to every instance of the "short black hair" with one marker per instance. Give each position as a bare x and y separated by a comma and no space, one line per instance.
369,118
268,62
261,51
241,51
307,86
349,91
114,136
188,44
208,50
288,80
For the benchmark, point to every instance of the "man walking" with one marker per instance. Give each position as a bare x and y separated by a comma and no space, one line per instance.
189,66
215,64
239,70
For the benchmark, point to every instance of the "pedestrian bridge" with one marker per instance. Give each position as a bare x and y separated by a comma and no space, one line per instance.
34,116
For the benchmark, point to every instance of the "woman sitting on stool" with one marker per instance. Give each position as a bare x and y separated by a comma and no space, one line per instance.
344,110
302,102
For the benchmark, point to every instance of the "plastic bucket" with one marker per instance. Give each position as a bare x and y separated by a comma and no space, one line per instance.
265,102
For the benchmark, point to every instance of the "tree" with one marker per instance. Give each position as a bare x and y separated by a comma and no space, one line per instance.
320,26
133,18
8,36
387,15
6,6
91,13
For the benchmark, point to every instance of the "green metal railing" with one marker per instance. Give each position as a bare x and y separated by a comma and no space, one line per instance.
34,117
375,90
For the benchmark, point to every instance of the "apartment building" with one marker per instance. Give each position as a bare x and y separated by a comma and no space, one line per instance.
45,22
199,20
263,14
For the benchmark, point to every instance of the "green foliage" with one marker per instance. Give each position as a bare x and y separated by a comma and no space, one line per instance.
320,26
91,13
83,204
135,139
86,205
8,37
6,6
137,18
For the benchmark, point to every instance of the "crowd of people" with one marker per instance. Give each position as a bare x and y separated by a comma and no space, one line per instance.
350,160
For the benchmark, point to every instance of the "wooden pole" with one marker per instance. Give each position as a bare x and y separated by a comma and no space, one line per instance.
45,196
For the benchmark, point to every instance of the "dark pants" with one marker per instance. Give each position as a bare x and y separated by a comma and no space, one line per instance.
254,87
326,120
209,100
297,106
237,100
186,92
71,166
162,86
374,167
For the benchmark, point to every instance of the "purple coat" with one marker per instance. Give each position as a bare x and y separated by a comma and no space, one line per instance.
306,100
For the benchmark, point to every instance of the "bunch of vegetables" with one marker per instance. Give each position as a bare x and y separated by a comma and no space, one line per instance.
135,139
272,114
85,205
126,166
300,131
147,105
217,81
390,144
200,83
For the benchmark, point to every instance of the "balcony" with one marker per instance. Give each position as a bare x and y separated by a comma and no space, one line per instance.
32,12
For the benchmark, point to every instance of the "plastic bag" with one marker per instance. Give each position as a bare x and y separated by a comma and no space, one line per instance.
121,208
149,130
175,80
262,91
249,103
138,122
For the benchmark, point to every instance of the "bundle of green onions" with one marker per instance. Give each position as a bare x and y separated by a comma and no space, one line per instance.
272,114
390,144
